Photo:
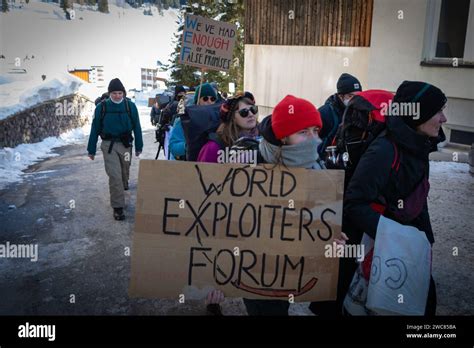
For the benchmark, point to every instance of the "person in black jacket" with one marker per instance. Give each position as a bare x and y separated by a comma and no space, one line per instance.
396,167
333,109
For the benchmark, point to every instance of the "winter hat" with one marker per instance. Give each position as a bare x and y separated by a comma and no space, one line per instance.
178,89
230,104
293,114
116,85
206,91
347,84
430,98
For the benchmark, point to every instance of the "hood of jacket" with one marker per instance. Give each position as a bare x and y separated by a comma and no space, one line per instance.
407,138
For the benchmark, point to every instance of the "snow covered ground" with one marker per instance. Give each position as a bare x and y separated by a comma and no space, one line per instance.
37,40
80,253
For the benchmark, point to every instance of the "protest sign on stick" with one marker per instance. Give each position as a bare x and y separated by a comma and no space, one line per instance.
207,44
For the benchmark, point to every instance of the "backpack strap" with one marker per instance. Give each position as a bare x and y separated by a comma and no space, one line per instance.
103,111
396,159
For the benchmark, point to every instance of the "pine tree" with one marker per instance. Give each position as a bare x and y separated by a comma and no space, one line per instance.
234,13
5,7
103,6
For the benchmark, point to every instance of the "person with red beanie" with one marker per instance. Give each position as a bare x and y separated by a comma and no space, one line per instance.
290,138
291,134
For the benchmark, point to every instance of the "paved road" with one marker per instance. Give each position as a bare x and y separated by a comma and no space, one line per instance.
82,250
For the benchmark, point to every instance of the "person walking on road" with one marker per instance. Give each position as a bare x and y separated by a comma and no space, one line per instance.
115,118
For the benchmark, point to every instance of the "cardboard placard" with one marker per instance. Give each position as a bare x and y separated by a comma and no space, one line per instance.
253,232
207,43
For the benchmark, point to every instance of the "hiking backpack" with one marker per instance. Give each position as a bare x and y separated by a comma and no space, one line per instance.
361,123
199,122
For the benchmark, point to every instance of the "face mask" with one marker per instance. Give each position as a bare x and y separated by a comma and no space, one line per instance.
346,102
116,102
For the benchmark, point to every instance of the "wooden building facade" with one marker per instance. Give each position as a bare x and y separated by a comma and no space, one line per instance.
308,22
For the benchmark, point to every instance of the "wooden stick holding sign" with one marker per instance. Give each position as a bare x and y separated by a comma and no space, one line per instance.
200,84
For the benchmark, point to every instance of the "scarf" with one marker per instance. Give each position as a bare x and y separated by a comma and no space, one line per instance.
303,155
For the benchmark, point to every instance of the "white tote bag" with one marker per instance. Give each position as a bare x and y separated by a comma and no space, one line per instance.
401,270
399,273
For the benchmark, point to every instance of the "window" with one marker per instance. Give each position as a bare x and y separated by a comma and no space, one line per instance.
449,33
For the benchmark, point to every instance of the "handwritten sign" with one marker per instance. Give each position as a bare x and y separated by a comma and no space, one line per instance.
253,232
207,43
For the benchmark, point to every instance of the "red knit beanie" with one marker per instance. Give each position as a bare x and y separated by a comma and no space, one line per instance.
293,114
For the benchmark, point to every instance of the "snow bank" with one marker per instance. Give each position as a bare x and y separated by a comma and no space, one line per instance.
14,160
16,96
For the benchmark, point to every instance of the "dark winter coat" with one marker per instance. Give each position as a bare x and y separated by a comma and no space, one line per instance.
375,181
155,115
331,115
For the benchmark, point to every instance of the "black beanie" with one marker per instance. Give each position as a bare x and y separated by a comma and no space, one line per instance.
179,89
347,84
430,97
116,85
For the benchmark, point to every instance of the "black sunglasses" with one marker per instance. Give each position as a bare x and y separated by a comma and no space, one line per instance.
245,112
213,99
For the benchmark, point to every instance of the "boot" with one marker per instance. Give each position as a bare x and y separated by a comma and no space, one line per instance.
118,214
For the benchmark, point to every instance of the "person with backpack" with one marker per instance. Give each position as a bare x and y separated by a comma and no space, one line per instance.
170,111
333,109
177,145
101,98
362,122
115,118
168,114
290,138
396,166
238,128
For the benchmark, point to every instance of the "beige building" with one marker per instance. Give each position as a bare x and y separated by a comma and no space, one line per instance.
301,48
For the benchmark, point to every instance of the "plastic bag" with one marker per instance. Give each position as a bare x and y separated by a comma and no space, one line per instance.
400,268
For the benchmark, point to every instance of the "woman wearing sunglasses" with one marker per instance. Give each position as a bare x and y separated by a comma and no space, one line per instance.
238,123
207,96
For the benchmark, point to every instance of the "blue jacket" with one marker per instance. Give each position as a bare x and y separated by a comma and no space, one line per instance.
177,140
116,122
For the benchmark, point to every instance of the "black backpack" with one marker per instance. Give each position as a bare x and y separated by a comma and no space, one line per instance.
361,123
199,122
